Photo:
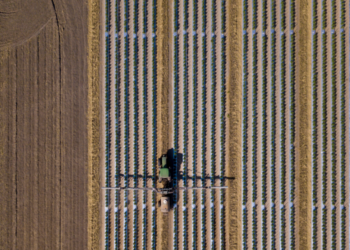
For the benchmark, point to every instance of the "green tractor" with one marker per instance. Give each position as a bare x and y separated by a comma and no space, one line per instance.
168,189
164,171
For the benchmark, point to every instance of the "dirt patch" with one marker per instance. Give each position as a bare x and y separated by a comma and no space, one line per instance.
44,133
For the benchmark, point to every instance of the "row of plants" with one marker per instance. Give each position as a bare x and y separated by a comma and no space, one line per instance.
334,118
144,120
136,119
154,123
264,131
273,123
117,101
292,120
213,118
255,227
194,123
324,118
176,113
283,140
223,124
344,232
292,227
283,228
107,125
314,15
343,130
245,124
126,118
264,147
204,122
324,14
292,114
314,228
264,229
334,14
255,119
324,228
315,126
283,129
245,119
334,228
186,157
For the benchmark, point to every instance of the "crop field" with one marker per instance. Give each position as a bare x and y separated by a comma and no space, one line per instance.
44,186
196,120
330,125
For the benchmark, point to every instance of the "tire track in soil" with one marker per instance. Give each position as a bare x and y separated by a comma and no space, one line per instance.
5,170
234,107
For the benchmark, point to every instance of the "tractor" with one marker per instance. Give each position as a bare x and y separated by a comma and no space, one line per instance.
166,181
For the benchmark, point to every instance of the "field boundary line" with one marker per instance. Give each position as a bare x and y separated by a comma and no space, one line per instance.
93,123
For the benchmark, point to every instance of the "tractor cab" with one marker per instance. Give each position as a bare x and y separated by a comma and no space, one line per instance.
164,172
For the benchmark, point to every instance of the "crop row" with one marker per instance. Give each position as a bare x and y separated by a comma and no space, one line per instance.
145,121
283,118
255,118
343,130
315,151
117,118
273,137
126,118
136,119
185,120
324,117
213,118
154,121
245,118
283,136
107,124
292,120
264,136
222,123
176,114
324,228
245,124
273,123
204,120
334,119
194,123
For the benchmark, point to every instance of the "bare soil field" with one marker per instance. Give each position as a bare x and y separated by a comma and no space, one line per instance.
44,119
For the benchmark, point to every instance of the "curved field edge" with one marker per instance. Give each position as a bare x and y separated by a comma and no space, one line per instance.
234,102
303,140
93,124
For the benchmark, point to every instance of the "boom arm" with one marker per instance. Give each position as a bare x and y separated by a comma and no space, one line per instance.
209,187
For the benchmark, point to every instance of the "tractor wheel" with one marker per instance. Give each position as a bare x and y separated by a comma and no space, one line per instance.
159,203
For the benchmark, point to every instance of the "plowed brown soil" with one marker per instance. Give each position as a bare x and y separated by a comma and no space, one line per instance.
44,124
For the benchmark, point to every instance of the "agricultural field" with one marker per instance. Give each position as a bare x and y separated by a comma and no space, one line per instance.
287,164
44,125
330,125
